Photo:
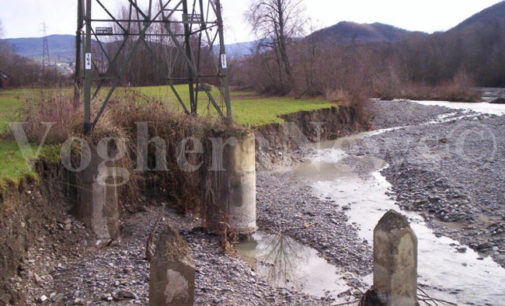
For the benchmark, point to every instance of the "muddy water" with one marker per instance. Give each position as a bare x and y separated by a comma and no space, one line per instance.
286,263
356,182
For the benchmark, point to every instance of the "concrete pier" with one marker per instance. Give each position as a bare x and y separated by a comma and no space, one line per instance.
234,187
172,276
242,182
98,205
395,261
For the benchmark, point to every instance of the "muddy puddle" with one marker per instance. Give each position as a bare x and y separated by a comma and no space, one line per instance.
286,263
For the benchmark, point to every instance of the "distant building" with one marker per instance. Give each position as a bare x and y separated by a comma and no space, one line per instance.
4,80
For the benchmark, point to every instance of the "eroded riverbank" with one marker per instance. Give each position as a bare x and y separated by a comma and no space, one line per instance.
328,220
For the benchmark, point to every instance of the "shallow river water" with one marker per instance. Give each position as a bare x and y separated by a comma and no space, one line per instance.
445,273
463,278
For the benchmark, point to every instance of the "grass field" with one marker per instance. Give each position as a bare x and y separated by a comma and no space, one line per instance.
248,109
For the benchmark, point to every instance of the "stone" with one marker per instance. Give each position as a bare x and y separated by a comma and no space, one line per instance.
395,261
461,249
125,295
172,276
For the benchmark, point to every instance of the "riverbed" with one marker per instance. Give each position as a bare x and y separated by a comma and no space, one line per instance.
352,176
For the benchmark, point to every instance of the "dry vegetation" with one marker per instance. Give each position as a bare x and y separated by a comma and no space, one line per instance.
126,110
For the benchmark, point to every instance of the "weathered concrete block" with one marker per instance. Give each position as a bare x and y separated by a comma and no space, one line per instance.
234,189
395,261
98,205
172,276
242,182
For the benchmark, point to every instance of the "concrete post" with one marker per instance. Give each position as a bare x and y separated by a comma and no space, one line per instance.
172,276
242,182
98,205
234,190
395,261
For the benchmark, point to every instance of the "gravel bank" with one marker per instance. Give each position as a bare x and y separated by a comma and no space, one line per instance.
451,172
389,114
119,274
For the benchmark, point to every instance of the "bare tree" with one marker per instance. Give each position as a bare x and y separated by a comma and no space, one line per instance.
277,23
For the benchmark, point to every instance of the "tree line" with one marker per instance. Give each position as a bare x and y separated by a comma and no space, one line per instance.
441,65
25,72
285,64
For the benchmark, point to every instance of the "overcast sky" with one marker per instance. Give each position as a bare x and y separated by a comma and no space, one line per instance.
24,18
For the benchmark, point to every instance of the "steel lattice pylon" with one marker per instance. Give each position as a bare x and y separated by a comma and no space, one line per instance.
200,27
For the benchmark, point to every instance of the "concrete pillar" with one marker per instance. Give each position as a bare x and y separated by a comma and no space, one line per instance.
395,261
234,190
242,181
172,276
98,205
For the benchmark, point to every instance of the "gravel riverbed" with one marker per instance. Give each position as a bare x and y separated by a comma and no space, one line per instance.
451,172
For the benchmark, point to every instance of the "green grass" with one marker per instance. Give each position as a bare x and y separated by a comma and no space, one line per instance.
11,103
13,166
248,109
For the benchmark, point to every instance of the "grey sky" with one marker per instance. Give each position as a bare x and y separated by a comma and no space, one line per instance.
24,18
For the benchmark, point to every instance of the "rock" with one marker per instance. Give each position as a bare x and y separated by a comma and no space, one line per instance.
42,299
125,295
461,249
483,246
37,279
172,276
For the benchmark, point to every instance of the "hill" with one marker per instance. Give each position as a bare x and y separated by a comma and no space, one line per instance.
63,47
60,46
345,33
493,14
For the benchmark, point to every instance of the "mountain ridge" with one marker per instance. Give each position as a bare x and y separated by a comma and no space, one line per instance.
347,32
62,47
494,13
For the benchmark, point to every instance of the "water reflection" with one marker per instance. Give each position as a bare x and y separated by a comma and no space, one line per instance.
284,262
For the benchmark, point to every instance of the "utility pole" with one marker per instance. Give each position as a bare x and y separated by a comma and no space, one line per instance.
77,68
87,70
223,63
46,61
187,41
201,28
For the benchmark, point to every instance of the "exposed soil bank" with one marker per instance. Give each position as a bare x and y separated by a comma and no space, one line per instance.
34,218
48,258
282,144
